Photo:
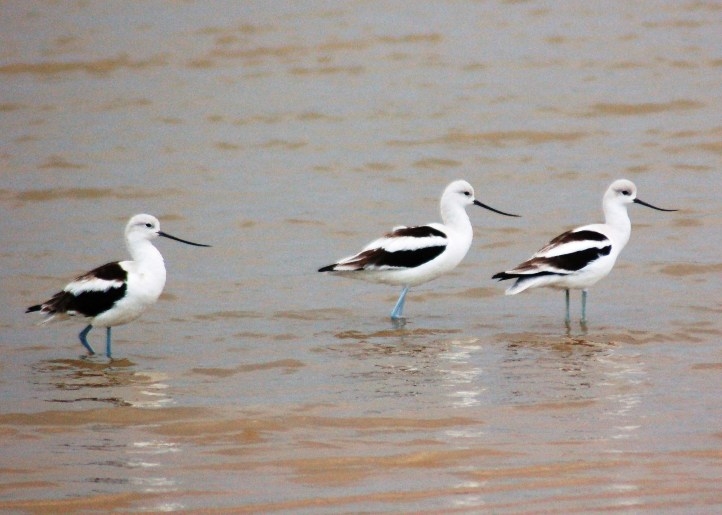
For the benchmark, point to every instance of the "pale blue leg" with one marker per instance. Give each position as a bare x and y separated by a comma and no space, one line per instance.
399,307
84,341
107,341
584,306
568,319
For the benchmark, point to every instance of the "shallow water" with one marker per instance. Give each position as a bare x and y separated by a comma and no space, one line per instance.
288,136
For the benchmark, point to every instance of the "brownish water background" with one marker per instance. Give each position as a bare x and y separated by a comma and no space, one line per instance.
288,135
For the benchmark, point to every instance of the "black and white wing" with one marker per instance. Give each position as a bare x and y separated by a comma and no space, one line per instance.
403,248
87,295
566,254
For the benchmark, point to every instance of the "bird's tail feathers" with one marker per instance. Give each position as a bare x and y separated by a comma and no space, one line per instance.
521,284
48,314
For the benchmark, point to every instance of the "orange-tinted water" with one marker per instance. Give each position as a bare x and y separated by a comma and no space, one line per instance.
290,135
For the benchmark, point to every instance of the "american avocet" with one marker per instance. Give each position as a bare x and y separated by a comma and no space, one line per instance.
580,257
119,292
409,256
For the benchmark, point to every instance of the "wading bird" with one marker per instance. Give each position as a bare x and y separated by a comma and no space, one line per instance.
115,293
409,256
578,258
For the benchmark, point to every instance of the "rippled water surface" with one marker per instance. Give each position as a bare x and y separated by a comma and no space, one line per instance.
289,134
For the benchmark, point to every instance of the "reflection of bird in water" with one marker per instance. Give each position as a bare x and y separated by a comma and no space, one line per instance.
409,256
119,292
114,382
580,257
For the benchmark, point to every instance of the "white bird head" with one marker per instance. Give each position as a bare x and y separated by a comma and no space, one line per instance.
147,227
623,191
461,193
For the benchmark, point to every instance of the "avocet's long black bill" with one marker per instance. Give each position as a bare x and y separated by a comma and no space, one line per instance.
637,201
492,209
166,235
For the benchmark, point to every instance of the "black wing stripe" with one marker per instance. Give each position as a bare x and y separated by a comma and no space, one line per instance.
108,272
566,263
422,231
571,236
577,260
408,258
92,303
87,303
381,258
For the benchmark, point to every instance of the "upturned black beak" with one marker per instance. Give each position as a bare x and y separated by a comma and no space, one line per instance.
492,209
166,235
637,201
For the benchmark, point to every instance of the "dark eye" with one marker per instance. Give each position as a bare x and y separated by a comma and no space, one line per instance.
467,193
626,193
149,225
